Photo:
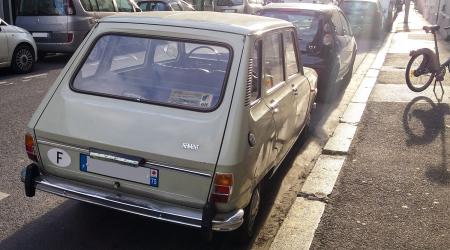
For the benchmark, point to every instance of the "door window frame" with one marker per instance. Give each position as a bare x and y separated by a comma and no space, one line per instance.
280,40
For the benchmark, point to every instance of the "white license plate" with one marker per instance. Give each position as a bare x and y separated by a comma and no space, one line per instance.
40,34
148,176
229,11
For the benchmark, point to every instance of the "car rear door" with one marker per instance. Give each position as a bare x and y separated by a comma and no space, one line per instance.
348,36
46,20
278,93
340,44
296,80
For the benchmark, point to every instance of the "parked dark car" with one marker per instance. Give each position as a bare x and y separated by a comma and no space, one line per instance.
327,42
365,17
164,5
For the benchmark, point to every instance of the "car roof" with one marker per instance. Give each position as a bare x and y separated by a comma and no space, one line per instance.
225,22
302,6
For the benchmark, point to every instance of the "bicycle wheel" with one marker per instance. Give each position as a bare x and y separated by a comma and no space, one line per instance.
418,83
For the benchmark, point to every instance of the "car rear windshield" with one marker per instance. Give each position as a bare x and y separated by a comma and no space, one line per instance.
306,22
355,8
167,72
42,8
229,2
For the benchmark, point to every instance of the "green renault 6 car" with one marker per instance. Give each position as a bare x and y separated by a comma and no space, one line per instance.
176,116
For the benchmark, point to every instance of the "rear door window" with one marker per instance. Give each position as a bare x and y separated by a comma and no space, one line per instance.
167,72
153,6
290,54
273,72
42,8
105,6
124,6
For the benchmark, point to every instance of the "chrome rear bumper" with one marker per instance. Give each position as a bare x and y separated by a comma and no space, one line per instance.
133,204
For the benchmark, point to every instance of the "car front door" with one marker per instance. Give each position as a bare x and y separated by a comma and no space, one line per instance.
278,94
4,51
348,46
296,80
340,44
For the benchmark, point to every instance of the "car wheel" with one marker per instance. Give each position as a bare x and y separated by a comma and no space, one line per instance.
23,59
246,231
327,85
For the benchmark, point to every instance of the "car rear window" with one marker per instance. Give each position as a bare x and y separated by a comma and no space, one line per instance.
42,8
168,72
306,22
229,2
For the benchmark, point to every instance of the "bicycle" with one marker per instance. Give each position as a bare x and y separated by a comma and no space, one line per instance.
425,65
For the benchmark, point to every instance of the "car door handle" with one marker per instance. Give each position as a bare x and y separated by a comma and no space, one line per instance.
295,91
274,106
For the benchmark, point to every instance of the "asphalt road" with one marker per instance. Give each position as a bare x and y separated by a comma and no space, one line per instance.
49,222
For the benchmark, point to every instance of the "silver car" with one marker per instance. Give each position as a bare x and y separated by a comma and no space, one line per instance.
17,48
61,25
239,6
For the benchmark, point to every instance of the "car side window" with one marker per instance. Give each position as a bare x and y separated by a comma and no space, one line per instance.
87,5
124,6
345,26
337,24
185,6
105,6
290,55
175,6
255,93
273,72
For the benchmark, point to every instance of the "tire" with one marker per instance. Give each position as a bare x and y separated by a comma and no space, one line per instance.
416,61
23,59
327,85
245,233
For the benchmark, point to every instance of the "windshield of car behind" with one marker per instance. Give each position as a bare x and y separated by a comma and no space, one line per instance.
229,2
42,8
358,12
167,72
306,22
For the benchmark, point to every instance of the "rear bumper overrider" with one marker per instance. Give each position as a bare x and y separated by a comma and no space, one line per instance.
130,203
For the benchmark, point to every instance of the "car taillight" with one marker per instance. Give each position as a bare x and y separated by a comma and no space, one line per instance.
30,147
69,37
222,188
70,9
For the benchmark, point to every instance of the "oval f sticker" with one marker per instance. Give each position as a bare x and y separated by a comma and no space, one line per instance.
59,157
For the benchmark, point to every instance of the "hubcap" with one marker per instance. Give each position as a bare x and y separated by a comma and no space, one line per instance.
24,59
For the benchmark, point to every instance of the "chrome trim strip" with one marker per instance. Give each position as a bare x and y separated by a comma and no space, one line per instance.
177,169
55,144
161,165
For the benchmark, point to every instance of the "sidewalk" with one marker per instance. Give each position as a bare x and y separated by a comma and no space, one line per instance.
393,191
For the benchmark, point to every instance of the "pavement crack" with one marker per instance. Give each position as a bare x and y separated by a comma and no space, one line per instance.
314,197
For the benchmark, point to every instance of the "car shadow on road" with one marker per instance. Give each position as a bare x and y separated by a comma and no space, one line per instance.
424,122
44,65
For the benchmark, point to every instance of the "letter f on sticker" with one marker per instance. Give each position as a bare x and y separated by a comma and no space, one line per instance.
58,156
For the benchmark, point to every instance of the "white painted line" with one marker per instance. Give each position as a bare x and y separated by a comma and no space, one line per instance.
3,195
297,230
35,76
353,113
340,142
6,83
322,178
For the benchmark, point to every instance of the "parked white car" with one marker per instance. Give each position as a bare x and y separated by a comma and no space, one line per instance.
17,48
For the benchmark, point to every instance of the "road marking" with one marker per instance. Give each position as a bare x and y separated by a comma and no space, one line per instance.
3,195
27,78
6,83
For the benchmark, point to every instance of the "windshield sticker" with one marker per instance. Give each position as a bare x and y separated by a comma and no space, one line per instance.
190,98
